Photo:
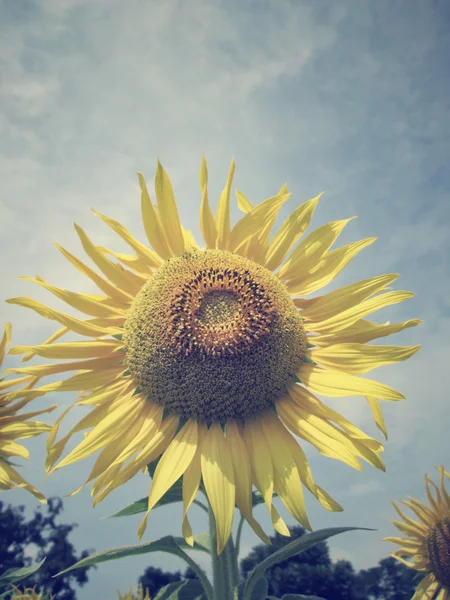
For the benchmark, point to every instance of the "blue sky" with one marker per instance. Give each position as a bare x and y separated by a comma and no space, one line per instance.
350,98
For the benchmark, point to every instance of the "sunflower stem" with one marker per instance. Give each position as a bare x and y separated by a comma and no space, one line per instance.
222,564
238,535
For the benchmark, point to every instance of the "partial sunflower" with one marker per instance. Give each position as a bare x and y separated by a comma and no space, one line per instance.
428,541
15,426
27,594
207,359
139,595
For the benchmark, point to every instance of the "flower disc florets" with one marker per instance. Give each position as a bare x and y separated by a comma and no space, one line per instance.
213,336
438,544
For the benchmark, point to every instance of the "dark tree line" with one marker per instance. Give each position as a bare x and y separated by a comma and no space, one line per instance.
44,538
310,573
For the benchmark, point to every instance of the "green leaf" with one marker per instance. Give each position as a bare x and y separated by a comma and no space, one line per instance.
140,506
293,548
259,591
181,590
181,543
132,509
118,336
165,544
203,539
13,575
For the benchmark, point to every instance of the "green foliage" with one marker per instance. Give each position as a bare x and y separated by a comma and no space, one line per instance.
14,575
287,551
182,590
310,573
48,540
166,544
390,580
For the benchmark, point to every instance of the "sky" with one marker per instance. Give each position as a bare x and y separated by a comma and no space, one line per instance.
349,98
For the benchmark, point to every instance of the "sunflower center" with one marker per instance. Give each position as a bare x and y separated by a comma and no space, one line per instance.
217,308
213,336
438,543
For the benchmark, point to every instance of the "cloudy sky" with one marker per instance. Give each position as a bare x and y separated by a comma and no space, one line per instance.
350,98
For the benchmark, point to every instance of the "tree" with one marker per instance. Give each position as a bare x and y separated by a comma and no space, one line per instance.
19,536
310,572
154,579
390,580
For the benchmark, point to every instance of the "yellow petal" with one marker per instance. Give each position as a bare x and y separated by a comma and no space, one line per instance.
278,523
255,248
139,265
360,358
168,211
90,349
338,385
348,317
291,230
223,213
4,385
254,221
76,325
55,336
207,222
414,527
260,460
423,512
119,295
329,267
189,239
364,331
287,481
113,272
9,476
107,464
14,418
83,381
344,298
115,455
243,478
108,428
191,483
308,253
11,448
427,588
153,229
95,364
243,202
328,440
218,478
174,461
6,339
156,445
24,430
54,450
147,255
307,401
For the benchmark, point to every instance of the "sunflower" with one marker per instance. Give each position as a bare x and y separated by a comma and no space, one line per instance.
14,426
207,359
428,543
